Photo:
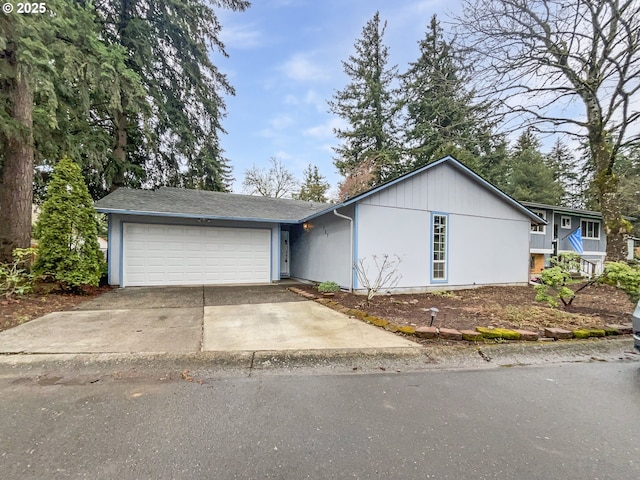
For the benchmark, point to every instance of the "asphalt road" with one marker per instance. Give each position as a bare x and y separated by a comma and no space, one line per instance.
566,421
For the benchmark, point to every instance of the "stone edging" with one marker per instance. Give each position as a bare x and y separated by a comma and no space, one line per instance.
479,334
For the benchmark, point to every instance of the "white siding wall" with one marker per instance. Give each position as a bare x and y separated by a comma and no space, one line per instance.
323,252
488,240
115,238
395,231
490,251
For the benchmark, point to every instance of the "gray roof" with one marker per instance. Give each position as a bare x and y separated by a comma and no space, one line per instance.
181,202
559,209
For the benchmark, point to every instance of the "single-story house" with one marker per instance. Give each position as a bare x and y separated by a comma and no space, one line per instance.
449,227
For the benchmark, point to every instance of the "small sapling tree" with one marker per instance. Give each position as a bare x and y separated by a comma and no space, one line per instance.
554,281
67,231
384,275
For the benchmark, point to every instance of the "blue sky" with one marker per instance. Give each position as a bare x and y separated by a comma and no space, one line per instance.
285,63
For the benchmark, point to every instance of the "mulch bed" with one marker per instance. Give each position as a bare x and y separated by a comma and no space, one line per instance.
507,307
19,309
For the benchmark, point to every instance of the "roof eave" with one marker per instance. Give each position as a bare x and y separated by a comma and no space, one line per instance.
189,215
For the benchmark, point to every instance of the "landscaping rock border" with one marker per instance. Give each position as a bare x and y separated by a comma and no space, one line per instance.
480,334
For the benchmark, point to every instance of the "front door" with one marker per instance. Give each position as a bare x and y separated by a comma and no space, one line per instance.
284,254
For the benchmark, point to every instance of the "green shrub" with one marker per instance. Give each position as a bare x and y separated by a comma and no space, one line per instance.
328,287
623,276
67,231
15,277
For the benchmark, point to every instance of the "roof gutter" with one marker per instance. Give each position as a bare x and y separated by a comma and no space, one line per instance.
335,212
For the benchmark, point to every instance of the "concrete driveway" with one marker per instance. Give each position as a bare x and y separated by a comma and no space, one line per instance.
194,319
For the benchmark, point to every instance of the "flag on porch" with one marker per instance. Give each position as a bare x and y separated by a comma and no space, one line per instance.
575,239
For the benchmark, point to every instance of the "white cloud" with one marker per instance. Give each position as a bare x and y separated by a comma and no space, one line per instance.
301,68
325,130
311,97
241,36
281,121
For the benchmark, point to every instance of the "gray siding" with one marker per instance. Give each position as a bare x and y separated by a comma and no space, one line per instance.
323,251
541,241
488,240
115,238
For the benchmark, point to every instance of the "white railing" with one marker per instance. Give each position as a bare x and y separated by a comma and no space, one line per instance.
587,268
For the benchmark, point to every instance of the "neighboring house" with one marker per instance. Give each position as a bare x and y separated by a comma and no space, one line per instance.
561,222
633,248
104,246
449,227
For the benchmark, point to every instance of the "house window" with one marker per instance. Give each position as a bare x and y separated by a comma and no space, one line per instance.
439,247
539,228
590,229
565,222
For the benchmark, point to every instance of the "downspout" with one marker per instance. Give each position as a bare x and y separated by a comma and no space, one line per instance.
351,246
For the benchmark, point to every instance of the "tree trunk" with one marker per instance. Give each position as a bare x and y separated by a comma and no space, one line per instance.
120,151
615,227
16,184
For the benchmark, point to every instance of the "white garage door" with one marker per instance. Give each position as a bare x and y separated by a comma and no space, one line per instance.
180,255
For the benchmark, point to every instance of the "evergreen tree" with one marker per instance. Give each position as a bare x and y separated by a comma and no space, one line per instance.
529,179
314,187
441,115
67,231
368,104
627,171
629,189
175,140
563,165
52,68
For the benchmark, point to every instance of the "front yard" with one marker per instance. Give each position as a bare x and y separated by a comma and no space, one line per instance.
506,307
21,308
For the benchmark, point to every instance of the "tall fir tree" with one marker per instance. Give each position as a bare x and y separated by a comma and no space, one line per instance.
441,116
529,178
67,231
175,141
314,186
368,104
566,174
53,66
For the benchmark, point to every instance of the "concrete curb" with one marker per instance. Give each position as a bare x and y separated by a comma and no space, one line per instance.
87,368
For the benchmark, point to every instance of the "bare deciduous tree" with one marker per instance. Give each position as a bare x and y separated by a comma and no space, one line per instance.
565,66
385,273
276,182
358,180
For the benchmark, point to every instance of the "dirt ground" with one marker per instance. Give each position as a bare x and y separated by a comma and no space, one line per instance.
508,307
21,308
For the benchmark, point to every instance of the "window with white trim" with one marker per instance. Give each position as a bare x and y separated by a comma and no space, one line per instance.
439,247
590,229
539,228
565,222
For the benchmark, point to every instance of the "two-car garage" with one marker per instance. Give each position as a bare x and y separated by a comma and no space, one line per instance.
177,236
161,254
